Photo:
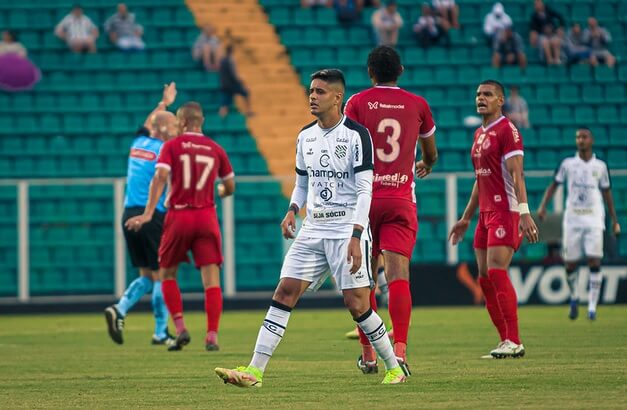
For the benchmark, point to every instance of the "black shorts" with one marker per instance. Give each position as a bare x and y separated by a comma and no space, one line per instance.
227,94
143,246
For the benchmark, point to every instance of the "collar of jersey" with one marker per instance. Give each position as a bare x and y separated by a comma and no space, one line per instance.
193,133
327,131
387,86
594,156
494,123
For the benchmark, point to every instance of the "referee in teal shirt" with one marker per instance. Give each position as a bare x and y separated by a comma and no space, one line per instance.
143,246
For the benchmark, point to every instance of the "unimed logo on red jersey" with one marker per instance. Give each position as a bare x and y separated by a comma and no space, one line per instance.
143,154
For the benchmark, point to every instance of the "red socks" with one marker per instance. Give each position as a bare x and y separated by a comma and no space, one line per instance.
172,298
492,305
506,297
399,306
213,308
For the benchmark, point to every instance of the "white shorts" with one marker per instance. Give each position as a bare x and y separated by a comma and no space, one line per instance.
313,259
576,240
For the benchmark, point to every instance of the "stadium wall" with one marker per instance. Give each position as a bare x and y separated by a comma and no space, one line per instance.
534,283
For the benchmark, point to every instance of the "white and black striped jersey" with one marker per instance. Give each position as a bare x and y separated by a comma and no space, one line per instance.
330,158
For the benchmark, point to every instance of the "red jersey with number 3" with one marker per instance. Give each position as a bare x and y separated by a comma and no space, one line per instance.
195,162
492,146
396,119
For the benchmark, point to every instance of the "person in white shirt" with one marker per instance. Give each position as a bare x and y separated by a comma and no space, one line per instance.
494,22
588,183
78,31
334,173
386,23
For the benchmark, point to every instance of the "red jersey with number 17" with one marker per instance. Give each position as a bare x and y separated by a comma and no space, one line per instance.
396,119
195,162
492,146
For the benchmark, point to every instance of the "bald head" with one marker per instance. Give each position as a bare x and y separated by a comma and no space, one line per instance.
164,125
190,117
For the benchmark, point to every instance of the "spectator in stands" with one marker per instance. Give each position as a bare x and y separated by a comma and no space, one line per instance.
516,109
306,4
546,33
124,31
10,45
430,29
598,38
448,10
575,47
348,11
231,84
78,31
386,23
17,72
508,49
206,49
494,22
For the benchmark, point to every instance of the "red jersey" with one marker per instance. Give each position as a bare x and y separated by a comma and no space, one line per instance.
194,162
492,146
395,119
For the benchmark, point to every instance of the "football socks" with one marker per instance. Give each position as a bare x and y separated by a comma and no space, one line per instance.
138,288
270,334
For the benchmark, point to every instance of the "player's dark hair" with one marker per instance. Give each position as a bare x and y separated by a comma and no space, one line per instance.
142,132
495,83
585,128
385,64
330,75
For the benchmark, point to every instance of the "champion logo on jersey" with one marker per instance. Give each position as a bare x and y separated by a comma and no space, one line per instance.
324,160
340,151
143,154
374,105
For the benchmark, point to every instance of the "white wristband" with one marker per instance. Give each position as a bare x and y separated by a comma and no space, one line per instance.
523,208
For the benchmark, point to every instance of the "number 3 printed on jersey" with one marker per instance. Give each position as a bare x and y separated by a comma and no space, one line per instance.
187,170
392,140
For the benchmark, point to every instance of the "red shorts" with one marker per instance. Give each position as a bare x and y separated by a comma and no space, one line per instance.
394,224
190,229
497,228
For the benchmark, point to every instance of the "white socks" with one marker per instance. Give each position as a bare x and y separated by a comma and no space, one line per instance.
374,328
270,334
572,278
595,290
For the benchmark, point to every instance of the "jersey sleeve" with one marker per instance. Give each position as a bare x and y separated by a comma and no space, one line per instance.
225,170
427,128
301,167
165,156
511,142
605,181
560,173
362,151
350,109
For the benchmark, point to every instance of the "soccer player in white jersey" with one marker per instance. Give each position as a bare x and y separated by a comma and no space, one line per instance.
334,172
588,180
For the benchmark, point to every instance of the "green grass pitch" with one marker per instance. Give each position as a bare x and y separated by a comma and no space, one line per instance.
68,361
